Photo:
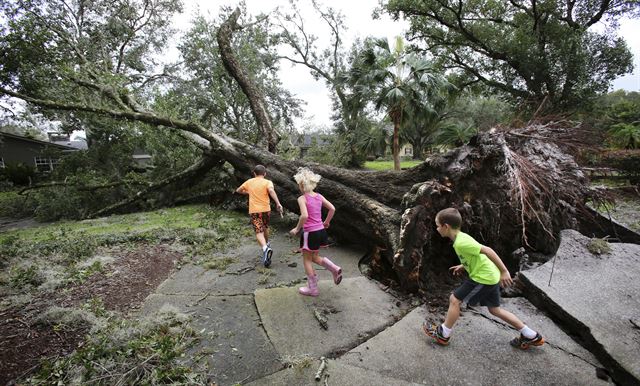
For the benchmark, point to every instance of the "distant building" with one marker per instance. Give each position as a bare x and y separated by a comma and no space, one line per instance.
406,150
41,155
141,158
65,139
305,141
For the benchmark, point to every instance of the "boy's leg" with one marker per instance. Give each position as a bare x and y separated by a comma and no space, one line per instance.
453,313
507,317
442,332
528,337
260,225
261,239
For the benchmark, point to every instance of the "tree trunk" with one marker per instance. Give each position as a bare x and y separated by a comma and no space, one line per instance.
249,88
396,144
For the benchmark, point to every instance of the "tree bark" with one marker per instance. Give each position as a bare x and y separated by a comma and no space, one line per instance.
250,89
396,144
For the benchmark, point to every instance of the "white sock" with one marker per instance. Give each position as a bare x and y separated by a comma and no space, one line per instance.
264,247
528,333
446,331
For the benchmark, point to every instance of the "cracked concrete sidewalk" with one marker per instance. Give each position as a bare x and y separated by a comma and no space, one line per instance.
254,331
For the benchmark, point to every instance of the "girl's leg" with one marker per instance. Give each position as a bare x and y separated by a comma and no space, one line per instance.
312,280
335,270
307,258
315,257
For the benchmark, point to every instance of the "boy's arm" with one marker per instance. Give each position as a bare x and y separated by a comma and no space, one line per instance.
274,196
505,276
242,190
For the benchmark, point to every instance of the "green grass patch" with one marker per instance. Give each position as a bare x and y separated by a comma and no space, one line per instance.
61,247
219,264
388,165
191,216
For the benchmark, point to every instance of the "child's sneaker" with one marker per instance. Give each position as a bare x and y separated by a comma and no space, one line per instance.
266,257
523,343
436,333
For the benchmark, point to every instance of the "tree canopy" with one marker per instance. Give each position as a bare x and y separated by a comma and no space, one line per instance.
401,83
528,49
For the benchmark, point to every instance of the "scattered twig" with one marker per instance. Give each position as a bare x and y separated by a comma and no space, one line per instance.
123,377
321,319
241,271
199,300
23,322
326,379
323,364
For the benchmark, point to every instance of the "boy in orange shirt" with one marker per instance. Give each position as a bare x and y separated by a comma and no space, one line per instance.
259,189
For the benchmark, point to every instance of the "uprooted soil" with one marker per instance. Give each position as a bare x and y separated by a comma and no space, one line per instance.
122,287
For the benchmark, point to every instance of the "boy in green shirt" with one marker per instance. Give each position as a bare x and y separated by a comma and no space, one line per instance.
487,273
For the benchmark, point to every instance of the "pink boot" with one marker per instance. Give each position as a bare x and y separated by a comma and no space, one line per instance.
334,269
312,286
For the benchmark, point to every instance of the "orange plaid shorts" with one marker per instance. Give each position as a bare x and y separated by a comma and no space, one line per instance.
260,221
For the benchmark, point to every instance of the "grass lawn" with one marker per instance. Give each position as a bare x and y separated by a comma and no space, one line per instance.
388,165
169,219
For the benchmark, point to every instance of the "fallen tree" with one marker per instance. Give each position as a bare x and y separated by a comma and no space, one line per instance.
514,187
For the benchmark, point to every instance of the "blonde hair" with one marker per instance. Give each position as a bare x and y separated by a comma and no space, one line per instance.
308,179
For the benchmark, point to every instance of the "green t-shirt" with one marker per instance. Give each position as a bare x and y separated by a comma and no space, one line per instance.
480,268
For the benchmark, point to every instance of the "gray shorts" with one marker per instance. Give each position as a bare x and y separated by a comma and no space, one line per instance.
474,293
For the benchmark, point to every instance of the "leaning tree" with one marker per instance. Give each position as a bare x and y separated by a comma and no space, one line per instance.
514,187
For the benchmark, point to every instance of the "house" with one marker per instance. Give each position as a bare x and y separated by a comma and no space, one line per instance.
406,150
65,139
306,141
42,155
141,158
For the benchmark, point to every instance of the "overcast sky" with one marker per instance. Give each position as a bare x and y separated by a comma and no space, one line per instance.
360,24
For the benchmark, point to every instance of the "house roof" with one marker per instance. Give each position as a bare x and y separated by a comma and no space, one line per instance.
305,140
79,145
39,142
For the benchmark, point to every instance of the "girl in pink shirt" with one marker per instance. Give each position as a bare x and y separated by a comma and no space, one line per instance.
314,235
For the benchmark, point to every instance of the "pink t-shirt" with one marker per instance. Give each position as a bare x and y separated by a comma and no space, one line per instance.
314,210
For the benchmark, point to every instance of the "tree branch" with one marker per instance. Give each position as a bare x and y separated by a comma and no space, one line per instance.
254,95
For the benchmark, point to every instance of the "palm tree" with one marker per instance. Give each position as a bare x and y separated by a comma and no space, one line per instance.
400,82
374,141
420,130
454,134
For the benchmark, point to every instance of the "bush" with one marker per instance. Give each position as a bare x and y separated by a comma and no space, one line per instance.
625,161
19,173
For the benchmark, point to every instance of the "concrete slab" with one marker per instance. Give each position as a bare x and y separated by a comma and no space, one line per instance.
479,353
233,341
339,374
356,309
597,297
246,274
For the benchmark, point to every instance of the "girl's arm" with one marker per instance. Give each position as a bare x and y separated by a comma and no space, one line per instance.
332,210
302,203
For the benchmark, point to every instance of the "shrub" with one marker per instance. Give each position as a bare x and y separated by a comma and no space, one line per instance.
22,277
625,161
19,173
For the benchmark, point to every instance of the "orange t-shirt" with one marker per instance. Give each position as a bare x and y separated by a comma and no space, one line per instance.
258,189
